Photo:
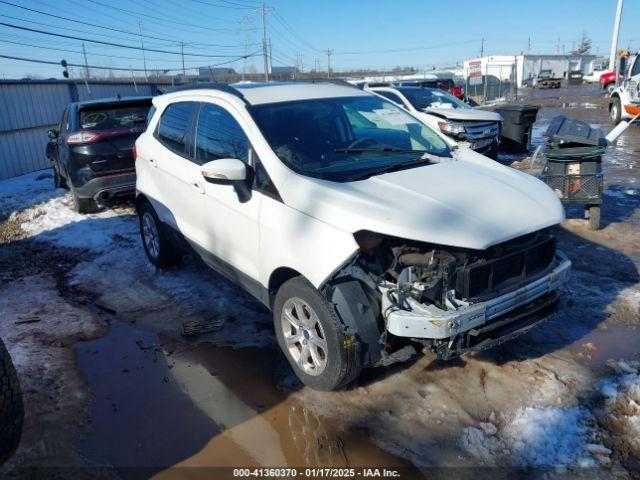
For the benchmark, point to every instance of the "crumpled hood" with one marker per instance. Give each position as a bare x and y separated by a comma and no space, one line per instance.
471,203
465,114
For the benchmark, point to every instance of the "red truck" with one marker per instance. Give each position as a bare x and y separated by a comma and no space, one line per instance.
608,81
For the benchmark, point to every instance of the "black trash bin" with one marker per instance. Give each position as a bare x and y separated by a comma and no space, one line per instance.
573,165
515,136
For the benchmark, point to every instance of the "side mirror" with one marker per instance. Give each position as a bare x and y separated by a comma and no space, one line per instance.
52,134
224,170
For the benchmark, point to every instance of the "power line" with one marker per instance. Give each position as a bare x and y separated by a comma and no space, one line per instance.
48,62
281,19
109,43
60,17
160,20
92,53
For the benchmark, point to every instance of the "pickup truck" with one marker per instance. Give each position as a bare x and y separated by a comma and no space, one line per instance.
544,79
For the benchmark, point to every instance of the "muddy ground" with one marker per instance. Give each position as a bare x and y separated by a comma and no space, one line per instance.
113,389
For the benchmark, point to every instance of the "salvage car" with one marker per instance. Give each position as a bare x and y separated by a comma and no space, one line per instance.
365,231
91,150
477,129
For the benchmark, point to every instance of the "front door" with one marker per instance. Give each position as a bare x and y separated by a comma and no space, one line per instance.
230,226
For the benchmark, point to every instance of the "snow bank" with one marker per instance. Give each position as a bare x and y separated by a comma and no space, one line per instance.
538,437
622,406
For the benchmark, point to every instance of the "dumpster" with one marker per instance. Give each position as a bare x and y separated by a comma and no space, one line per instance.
515,136
573,165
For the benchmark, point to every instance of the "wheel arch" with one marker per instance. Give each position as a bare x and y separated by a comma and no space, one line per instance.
141,198
277,278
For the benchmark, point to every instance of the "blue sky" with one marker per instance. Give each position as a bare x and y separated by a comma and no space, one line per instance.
378,34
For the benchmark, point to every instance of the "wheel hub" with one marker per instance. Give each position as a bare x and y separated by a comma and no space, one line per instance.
304,337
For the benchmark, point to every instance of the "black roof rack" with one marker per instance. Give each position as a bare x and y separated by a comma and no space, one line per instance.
223,87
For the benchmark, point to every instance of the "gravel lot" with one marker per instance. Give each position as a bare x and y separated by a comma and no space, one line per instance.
114,390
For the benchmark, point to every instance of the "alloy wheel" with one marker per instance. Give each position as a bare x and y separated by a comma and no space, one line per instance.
150,235
304,336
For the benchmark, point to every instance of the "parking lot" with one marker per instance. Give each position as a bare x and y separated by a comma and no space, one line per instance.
113,387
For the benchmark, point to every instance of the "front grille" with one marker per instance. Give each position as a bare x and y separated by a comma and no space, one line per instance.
477,130
484,279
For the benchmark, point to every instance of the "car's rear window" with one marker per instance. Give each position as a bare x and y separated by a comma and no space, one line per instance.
113,117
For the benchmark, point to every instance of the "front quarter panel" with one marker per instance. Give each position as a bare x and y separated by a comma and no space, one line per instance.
292,239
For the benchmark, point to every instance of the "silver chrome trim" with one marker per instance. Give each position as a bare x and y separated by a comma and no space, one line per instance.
428,321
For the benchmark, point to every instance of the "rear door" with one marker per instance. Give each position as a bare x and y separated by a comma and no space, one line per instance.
179,186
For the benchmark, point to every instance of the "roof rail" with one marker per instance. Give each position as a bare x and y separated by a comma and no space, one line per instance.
223,87
334,81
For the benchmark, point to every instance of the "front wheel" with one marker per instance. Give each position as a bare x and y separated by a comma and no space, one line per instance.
12,408
320,352
58,180
615,110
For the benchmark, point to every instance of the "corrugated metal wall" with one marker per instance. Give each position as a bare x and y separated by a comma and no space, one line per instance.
29,108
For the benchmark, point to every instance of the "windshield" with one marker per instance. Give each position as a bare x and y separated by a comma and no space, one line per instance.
348,138
422,98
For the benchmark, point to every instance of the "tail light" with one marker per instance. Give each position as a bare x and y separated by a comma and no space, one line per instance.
87,136
135,152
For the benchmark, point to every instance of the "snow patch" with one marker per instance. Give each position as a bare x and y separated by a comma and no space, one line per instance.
622,404
537,437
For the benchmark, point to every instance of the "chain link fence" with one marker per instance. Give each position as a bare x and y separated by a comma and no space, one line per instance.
491,83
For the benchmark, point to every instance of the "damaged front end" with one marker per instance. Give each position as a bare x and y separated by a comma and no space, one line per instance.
452,300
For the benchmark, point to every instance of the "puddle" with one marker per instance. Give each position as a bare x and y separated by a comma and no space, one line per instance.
159,403
618,342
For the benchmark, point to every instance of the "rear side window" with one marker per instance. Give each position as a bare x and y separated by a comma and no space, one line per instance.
174,124
152,112
113,118
219,136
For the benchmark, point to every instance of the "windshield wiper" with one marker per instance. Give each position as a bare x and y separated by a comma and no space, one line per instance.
378,149
389,168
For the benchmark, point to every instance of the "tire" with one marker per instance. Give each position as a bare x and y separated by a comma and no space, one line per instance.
11,406
320,331
594,217
155,240
58,180
84,205
615,110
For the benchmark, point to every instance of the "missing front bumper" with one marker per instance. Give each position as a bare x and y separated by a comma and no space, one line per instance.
422,321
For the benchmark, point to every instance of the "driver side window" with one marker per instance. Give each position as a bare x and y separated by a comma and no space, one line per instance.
219,136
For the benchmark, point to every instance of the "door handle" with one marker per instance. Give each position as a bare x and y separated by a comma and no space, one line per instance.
198,186
153,163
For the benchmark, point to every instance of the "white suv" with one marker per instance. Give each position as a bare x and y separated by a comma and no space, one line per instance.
362,228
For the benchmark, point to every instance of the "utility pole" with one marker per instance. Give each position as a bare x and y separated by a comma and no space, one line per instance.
263,12
184,72
144,57
329,52
245,31
87,75
270,57
482,48
614,38
529,46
